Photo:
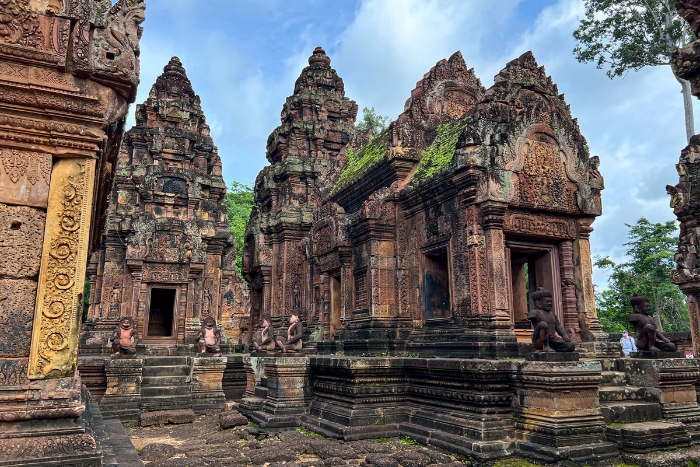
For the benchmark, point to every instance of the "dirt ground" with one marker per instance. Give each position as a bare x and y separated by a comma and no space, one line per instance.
203,444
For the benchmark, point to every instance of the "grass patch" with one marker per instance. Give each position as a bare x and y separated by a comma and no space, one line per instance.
310,433
407,440
363,159
439,155
620,464
382,440
514,463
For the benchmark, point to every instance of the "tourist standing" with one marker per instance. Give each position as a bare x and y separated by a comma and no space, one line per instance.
628,344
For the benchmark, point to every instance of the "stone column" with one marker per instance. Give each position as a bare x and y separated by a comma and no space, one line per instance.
498,286
556,412
591,330
568,290
207,379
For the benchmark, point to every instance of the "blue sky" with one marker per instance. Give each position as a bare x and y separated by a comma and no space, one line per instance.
243,57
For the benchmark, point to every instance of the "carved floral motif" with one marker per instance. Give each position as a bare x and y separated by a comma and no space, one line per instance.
19,163
61,278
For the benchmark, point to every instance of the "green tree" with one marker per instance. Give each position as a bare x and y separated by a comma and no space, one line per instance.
372,120
631,34
240,203
650,248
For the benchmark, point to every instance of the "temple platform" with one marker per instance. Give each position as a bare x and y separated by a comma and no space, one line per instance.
576,411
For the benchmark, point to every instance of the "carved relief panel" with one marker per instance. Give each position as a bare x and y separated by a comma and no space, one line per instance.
62,275
25,177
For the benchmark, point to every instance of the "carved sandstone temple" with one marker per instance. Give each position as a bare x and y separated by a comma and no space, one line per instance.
167,258
68,71
425,243
428,237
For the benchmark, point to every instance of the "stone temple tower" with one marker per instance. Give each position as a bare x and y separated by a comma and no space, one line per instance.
167,257
317,121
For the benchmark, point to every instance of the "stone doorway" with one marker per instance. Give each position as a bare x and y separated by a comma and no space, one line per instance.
435,284
160,319
531,265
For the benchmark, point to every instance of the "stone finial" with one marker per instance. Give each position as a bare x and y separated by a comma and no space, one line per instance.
175,66
319,57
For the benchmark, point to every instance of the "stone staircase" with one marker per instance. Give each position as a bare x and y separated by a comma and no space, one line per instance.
166,384
110,435
633,415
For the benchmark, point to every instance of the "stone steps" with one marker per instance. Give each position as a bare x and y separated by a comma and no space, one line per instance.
165,361
155,391
613,378
630,411
166,383
168,380
261,392
157,403
649,436
621,393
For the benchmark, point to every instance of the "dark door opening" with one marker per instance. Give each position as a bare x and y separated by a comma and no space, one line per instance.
335,304
531,266
436,285
160,314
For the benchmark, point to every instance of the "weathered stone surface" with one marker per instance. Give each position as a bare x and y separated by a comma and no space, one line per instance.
21,237
381,460
157,451
412,459
231,419
17,304
163,417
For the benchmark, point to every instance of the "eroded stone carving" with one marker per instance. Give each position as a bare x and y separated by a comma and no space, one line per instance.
546,325
209,338
125,337
648,337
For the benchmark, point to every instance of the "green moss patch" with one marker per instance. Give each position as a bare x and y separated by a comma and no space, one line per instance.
359,162
439,155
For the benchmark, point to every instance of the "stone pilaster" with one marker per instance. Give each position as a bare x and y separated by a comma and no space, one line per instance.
288,392
207,379
122,398
556,412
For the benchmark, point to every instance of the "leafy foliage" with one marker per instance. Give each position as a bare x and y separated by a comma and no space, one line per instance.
440,153
629,34
372,121
240,204
366,157
651,248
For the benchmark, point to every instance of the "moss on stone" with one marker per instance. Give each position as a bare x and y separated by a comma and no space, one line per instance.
440,153
514,463
359,162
